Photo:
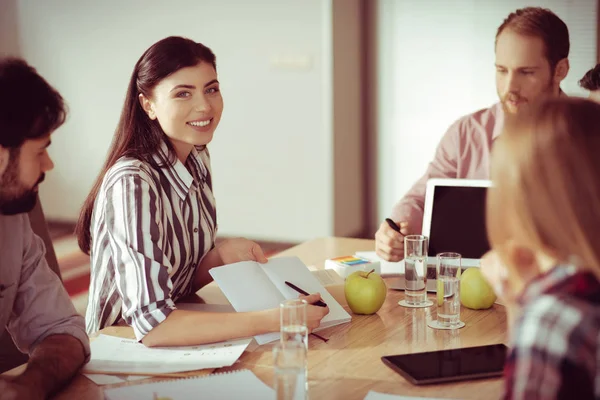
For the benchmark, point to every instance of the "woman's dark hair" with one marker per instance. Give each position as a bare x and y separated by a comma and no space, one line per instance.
591,79
137,135
29,107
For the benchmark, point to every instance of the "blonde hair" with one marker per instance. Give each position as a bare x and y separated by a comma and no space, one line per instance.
546,182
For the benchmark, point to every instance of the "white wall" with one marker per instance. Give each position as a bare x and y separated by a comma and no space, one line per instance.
436,63
272,153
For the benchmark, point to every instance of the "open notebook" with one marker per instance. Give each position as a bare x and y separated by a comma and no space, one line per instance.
251,286
227,386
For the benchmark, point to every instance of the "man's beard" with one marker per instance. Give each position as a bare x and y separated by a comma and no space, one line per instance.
527,103
16,198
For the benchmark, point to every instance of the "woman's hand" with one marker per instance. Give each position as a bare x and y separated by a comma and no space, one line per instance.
240,249
314,314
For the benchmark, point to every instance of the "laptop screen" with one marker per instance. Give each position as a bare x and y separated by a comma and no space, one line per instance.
458,221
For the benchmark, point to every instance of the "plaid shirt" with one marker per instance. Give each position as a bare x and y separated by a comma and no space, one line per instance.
555,352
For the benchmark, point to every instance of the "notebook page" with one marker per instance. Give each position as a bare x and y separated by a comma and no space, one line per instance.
248,289
234,385
246,286
112,354
293,270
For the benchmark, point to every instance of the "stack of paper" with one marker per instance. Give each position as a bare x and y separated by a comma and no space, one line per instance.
236,385
122,356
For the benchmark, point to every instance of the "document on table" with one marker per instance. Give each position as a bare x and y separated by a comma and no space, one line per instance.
383,396
117,355
230,385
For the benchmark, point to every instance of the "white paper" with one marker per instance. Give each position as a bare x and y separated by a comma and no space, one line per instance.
236,385
112,354
372,395
387,268
246,286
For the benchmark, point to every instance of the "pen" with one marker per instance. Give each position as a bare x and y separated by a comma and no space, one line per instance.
297,289
393,225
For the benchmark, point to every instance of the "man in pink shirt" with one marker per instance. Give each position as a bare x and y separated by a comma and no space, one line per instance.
532,49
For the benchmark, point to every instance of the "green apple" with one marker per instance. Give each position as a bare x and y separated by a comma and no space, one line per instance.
475,291
365,292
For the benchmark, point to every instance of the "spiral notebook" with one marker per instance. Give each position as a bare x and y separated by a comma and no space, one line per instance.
241,384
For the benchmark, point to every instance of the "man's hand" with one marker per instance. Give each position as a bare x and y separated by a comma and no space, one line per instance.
52,364
389,244
11,390
240,249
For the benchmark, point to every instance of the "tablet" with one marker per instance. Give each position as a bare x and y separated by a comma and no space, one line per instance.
449,365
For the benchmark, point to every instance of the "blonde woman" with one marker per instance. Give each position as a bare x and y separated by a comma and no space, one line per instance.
543,218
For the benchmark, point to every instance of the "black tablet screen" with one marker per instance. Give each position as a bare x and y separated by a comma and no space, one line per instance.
458,221
450,365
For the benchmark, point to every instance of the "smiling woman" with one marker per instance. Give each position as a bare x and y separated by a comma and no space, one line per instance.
188,106
149,224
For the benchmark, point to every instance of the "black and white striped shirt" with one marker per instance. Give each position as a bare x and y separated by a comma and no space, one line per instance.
150,230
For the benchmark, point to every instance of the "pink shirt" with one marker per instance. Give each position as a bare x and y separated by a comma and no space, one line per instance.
463,152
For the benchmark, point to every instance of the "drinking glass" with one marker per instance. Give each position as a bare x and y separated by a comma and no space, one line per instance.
293,321
415,270
289,359
448,269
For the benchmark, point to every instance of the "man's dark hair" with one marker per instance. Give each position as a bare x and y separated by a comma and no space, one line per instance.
544,24
29,107
591,79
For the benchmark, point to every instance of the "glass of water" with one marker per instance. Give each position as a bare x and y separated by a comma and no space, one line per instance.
415,270
293,321
289,359
448,270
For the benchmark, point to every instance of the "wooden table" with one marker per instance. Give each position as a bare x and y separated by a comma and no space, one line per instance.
349,365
